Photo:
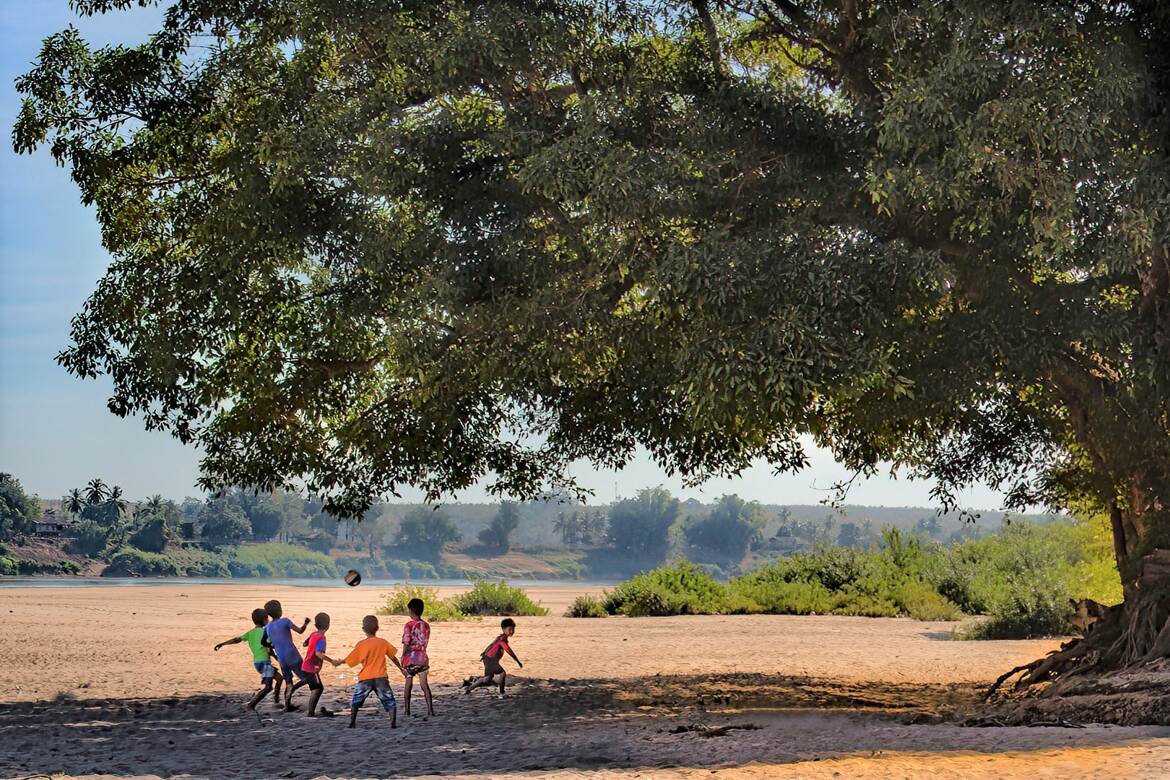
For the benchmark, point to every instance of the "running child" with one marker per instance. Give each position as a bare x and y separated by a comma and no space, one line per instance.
491,658
372,653
315,658
279,633
260,658
416,634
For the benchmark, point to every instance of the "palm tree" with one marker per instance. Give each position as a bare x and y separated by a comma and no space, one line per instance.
73,502
152,506
114,498
95,491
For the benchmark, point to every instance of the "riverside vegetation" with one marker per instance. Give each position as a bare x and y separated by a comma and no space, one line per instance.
1021,582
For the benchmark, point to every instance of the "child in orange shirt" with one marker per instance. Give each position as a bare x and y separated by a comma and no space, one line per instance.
372,653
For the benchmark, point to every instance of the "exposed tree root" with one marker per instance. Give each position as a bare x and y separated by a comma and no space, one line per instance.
1117,673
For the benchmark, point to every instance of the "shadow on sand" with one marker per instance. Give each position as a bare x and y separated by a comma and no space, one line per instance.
654,722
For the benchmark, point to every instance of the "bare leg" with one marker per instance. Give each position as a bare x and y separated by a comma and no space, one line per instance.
426,689
394,718
503,679
353,715
291,690
260,694
276,690
314,697
481,682
406,693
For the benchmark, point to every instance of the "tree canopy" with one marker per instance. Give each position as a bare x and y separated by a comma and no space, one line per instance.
362,244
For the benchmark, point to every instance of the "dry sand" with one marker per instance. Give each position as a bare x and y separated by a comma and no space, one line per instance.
122,682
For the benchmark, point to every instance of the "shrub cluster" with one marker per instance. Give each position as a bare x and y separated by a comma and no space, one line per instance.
23,567
1022,579
586,607
499,598
836,581
484,598
437,609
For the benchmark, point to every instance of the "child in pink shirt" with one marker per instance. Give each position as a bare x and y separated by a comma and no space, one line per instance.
416,634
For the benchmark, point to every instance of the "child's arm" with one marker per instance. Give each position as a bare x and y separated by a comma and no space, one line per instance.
396,663
235,641
324,657
514,658
301,630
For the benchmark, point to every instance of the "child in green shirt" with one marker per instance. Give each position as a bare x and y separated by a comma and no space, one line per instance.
260,658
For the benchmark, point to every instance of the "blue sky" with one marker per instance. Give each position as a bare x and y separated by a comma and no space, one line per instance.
55,431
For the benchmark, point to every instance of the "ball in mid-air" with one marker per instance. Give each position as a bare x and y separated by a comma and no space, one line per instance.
353,577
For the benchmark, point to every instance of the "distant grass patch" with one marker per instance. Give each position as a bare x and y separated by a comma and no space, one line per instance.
496,598
586,607
437,610
279,560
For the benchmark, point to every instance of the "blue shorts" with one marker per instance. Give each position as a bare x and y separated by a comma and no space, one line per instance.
267,671
291,668
381,685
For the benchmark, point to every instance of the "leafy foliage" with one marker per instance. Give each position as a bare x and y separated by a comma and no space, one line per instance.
586,607
681,589
279,560
425,532
499,598
728,532
18,510
639,527
437,610
498,534
223,522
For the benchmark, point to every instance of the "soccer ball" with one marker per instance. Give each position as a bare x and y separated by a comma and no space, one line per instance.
352,578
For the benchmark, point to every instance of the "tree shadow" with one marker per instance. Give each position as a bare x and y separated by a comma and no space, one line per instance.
644,723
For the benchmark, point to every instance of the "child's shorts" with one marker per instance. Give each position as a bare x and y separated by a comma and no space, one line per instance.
381,686
288,670
314,681
413,669
491,666
267,671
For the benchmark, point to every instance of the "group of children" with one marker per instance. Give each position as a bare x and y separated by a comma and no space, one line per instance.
271,643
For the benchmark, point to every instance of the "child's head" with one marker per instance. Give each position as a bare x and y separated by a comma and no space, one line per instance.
321,621
370,624
415,608
274,610
508,626
259,617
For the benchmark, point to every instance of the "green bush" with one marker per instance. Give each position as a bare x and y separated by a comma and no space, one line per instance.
89,538
24,567
437,610
498,598
761,594
279,560
922,602
681,589
587,607
132,562
1023,577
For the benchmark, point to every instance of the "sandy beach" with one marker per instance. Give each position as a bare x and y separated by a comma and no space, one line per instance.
123,682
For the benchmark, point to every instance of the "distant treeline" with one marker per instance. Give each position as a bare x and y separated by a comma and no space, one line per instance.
411,540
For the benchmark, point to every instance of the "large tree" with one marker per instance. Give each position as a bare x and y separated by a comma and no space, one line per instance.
366,244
